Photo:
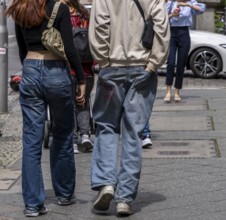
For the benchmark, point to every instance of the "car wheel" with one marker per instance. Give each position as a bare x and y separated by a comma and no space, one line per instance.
205,63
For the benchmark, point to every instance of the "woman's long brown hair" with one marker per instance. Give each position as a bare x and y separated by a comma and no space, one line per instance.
27,13
79,7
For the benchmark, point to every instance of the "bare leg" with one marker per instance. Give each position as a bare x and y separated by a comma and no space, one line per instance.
177,97
167,98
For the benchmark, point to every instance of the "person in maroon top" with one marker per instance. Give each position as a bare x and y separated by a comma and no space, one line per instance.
80,18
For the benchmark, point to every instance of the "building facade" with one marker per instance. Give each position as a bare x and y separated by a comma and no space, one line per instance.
206,21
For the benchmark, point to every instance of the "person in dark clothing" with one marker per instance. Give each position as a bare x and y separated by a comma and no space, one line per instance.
80,18
180,17
46,80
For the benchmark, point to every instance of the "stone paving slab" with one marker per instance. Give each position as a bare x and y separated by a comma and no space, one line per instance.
175,149
5,218
10,142
10,151
8,177
181,123
184,105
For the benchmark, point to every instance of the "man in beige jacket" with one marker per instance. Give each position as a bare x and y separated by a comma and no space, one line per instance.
125,94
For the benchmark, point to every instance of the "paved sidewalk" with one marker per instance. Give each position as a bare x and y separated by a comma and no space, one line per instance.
183,175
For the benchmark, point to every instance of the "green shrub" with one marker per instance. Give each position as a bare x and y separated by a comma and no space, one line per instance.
219,24
223,3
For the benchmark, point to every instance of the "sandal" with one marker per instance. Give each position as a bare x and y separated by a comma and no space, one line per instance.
167,98
177,98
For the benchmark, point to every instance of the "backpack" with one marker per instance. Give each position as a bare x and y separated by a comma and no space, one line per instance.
81,42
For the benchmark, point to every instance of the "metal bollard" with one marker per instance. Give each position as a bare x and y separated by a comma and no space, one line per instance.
3,59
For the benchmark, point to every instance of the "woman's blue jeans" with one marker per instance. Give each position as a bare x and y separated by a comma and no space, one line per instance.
122,106
46,83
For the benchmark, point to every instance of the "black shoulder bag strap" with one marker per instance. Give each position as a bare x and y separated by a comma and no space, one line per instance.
140,9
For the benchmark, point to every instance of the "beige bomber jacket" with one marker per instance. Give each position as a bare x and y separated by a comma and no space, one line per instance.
115,30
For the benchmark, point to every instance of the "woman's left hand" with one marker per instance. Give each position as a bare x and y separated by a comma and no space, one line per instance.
80,97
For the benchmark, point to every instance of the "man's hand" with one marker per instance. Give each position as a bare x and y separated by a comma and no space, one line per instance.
148,70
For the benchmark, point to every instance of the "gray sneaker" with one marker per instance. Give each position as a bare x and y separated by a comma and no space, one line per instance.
124,209
86,143
31,212
66,201
104,198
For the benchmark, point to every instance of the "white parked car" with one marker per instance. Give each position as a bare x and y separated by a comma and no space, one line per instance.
207,56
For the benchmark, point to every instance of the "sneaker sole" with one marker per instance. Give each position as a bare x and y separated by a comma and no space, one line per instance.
76,152
36,213
124,213
104,202
71,201
145,146
32,215
64,204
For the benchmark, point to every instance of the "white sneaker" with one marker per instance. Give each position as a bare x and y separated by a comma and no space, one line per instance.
104,198
76,151
146,142
124,209
86,143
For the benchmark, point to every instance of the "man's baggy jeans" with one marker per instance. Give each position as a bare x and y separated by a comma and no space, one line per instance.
123,105
46,82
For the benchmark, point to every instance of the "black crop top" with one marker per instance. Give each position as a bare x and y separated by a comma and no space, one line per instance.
29,39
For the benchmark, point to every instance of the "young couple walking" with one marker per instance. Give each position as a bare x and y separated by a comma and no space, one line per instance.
125,94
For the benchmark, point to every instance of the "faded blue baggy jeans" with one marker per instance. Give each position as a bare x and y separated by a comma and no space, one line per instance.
122,106
46,82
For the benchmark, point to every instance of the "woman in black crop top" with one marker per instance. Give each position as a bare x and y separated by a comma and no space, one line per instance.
46,81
